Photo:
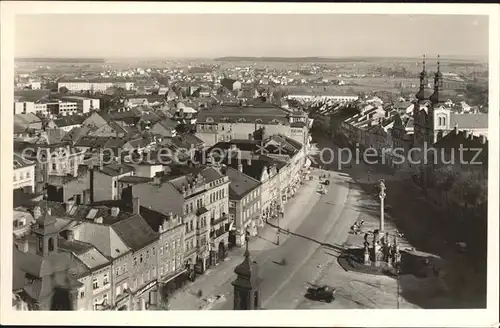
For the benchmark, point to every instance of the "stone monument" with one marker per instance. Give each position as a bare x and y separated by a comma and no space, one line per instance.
367,251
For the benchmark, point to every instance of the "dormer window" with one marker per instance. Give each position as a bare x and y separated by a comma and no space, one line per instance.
258,120
241,120
210,120
275,121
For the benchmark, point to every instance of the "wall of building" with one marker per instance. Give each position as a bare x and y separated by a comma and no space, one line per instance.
171,249
24,178
121,277
101,286
147,171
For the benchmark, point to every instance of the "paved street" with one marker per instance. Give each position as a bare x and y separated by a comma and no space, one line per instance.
319,226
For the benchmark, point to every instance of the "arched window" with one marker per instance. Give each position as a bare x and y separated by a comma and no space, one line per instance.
51,244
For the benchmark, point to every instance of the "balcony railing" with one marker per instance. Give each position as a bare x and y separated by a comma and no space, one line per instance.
215,233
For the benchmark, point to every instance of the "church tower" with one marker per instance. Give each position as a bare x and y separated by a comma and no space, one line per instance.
247,283
437,98
423,93
46,233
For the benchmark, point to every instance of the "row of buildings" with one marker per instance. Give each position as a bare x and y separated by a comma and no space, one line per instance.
427,122
122,231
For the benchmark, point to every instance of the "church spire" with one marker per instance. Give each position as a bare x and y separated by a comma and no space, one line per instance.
438,84
423,74
422,94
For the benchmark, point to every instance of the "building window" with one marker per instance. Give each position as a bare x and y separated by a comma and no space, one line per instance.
147,275
118,290
105,299
153,272
161,270
154,251
82,293
95,283
135,261
140,258
105,281
166,246
161,250
147,255
125,268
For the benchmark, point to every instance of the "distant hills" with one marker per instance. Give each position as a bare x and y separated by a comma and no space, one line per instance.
328,59
284,59
60,60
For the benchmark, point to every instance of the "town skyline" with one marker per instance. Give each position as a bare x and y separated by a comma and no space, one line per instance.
208,37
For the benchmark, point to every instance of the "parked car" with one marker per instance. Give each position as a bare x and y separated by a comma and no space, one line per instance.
323,294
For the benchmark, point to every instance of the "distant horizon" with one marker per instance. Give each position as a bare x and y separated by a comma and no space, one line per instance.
443,57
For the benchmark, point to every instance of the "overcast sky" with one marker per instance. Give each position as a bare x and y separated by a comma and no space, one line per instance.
213,35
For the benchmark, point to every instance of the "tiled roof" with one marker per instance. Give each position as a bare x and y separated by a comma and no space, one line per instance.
256,114
168,124
186,140
69,120
92,142
253,169
25,119
20,162
469,121
241,184
210,174
457,138
114,169
135,232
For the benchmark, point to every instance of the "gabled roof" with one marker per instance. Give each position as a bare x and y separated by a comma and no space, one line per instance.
69,120
26,119
20,162
116,169
241,184
255,114
168,124
456,138
135,232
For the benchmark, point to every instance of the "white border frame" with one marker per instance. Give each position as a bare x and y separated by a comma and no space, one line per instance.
386,318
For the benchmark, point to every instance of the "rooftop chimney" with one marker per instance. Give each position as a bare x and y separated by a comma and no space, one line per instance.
120,170
466,134
240,167
250,136
24,246
69,204
71,235
249,161
98,220
471,136
115,211
483,139
456,128
136,205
